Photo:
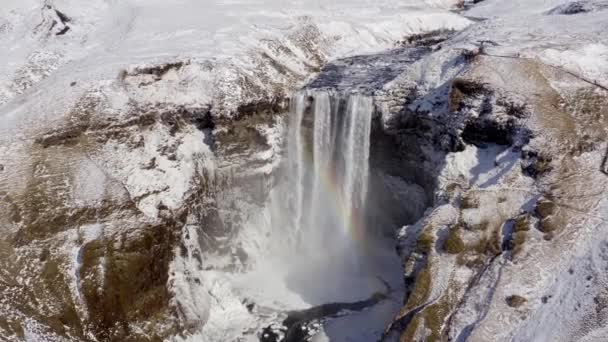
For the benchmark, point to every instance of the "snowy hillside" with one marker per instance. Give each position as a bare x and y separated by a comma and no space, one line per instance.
234,39
245,170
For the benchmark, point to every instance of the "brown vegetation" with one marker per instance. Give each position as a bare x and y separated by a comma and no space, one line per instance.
426,241
453,243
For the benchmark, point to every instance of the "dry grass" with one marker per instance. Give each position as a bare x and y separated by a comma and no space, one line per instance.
453,243
418,296
548,225
426,241
521,223
481,246
410,331
434,316
422,289
495,243
545,208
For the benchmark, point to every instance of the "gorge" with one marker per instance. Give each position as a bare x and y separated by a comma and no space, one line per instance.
219,171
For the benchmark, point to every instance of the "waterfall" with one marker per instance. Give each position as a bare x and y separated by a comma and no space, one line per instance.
311,244
327,169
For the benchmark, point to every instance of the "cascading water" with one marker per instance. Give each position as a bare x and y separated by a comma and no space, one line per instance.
311,246
325,188
317,251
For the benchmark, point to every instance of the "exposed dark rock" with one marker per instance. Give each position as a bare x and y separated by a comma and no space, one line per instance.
518,235
469,201
604,166
535,164
515,301
67,136
574,7
366,73
150,165
467,4
391,153
63,31
158,70
470,55
518,110
243,134
485,115
480,130
463,89
427,39
263,109
272,333
134,280
64,18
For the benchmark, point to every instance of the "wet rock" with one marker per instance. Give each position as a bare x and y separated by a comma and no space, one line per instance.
300,326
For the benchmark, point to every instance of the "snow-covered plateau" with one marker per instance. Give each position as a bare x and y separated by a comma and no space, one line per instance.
288,170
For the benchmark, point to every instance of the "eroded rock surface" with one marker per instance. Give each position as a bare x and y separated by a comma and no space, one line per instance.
125,175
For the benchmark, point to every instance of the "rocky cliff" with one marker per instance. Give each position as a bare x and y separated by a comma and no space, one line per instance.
140,145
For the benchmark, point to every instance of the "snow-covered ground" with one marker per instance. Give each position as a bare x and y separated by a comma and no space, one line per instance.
227,37
223,54
535,54
65,59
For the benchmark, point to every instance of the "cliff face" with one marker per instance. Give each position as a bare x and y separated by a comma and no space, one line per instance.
133,138
505,251
136,156
507,223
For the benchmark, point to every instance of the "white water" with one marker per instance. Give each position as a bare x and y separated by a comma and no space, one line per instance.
315,226
309,247
327,171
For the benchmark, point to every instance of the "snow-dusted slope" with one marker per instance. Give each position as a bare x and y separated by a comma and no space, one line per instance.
117,139
139,140
512,250
238,41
